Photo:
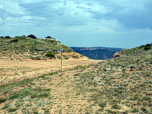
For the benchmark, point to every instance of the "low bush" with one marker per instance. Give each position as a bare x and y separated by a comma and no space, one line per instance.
37,58
36,49
66,57
49,51
147,47
50,55
15,40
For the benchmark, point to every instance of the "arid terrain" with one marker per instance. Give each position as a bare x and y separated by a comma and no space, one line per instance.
121,85
13,70
26,68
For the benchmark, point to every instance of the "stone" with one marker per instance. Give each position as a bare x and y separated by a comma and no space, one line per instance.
116,55
75,56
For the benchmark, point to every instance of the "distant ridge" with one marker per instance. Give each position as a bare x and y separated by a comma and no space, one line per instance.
101,47
97,53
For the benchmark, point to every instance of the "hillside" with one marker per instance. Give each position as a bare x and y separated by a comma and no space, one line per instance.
96,53
27,48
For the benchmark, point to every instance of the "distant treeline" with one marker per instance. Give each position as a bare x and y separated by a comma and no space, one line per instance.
31,36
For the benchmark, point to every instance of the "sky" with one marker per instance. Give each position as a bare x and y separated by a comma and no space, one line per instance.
80,23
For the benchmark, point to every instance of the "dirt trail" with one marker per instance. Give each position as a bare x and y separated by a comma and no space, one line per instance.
14,71
64,92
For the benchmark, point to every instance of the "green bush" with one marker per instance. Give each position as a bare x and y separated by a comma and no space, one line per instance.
66,57
135,110
36,49
147,47
50,55
144,109
12,109
103,104
37,58
142,46
2,100
15,40
49,51
21,37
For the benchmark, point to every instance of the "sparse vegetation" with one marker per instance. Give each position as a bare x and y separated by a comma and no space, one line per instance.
119,85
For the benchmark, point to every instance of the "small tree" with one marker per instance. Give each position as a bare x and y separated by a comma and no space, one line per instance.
32,36
7,37
147,45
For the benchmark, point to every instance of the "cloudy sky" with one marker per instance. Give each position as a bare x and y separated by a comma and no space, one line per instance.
80,23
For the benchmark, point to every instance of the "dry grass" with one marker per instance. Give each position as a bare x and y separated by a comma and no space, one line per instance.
121,85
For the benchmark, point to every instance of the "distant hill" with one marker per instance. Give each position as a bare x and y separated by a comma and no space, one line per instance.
40,48
97,53
116,48
29,48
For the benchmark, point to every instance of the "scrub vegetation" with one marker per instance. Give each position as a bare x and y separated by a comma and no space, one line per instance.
121,85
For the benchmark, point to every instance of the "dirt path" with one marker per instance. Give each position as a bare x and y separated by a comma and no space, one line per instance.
17,70
65,97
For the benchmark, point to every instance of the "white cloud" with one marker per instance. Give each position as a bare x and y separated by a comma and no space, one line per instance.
87,19
1,7
32,1
12,7
129,6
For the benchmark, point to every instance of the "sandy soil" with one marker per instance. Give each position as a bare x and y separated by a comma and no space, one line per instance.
11,70
61,94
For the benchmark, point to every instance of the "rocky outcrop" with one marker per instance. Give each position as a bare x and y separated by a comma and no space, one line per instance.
75,56
116,55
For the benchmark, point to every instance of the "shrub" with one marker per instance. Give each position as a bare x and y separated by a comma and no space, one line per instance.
14,95
49,51
36,49
135,110
16,40
66,57
22,46
7,37
147,48
48,37
21,37
2,100
32,36
144,109
148,45
12,109
50,55
37,58
116,106
142,46
16,36
103,104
